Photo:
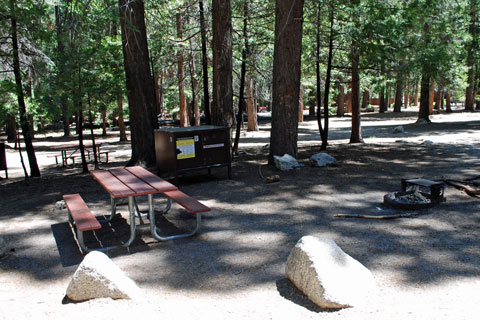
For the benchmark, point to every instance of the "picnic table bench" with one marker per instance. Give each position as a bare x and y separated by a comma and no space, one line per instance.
131,182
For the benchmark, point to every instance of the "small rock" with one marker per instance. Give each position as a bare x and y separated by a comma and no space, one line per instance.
286,162
328,276
60,205
322,160
398,129
401,141
428,142
274,178
98,277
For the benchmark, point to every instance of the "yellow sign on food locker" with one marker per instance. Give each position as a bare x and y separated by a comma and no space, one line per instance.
186,148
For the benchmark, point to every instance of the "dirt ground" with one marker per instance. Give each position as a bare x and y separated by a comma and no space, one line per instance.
425,267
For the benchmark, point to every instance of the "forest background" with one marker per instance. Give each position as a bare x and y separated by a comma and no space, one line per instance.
102,62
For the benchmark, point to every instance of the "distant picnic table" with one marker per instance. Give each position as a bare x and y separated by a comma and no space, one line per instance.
72,152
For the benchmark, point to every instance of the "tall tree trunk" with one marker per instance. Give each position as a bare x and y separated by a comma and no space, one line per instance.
184,120
340,100
251,107
415,94
121,122
472,48
365,99
206,95
158,77
92,133
139,82
398,94
382,103
324,134
448,106
193,81
438,99
11,127
26,127
356,135
424,110
241,95
104,123
300,104
286,77
406,95
61,67
222,107
431,97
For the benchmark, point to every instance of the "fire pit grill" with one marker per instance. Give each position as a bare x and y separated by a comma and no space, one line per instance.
416,194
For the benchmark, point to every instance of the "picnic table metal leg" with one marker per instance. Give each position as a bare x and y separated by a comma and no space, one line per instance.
153,227
133,227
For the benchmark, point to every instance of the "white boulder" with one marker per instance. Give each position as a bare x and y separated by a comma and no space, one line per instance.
286,162
328,276
322,160
98,277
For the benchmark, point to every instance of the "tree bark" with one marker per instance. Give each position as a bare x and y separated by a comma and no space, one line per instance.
448,106
365,99
382,103
424,110
141,97
415,95
340,100
469,101
121,122
206,95
61,67
11,127
398,94
324,132
26,127
251,107
406,95
431,98
193,71
182,101
300,104
356,134
222,107
243,70
286,77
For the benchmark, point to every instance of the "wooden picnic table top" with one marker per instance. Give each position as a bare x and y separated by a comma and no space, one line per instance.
75,145
131,181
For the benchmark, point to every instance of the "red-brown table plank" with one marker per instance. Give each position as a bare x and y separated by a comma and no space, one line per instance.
112,184
189,203
84,218
153,180
133,182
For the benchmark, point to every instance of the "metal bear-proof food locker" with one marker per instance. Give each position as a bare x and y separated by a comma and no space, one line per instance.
179,150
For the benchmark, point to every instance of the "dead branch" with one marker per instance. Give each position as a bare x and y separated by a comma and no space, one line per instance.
473,192
385,217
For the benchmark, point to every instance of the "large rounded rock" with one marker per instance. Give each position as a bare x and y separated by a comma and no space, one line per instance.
286,162
323,159
98,277
327,275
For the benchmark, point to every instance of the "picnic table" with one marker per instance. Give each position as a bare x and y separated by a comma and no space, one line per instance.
72,151
132,182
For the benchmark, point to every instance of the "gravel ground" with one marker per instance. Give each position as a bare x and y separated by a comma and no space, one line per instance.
425,267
